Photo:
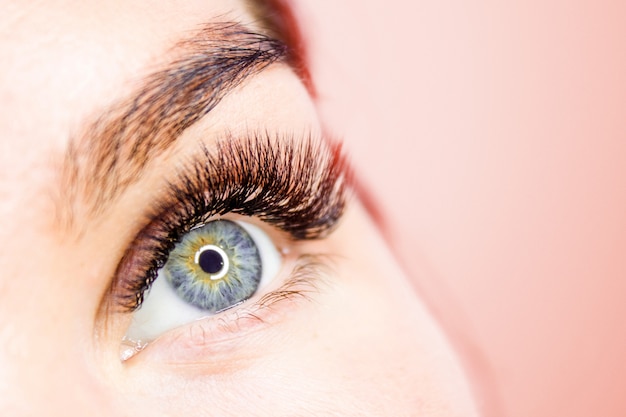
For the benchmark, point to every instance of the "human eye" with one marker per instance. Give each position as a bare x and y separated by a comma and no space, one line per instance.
227,242
215,266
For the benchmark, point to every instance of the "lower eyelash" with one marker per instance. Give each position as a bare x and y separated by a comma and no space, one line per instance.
309,276
306,279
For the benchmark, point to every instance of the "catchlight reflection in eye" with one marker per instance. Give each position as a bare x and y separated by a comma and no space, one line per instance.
214,267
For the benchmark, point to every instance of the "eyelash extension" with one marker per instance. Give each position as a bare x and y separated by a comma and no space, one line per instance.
297,186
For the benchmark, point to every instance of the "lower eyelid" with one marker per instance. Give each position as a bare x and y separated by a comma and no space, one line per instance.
224,334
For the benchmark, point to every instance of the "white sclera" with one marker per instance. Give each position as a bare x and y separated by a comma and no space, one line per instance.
162,309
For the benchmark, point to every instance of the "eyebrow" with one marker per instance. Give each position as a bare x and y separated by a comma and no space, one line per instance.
113,150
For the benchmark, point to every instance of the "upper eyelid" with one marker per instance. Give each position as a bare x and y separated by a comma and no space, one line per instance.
303,185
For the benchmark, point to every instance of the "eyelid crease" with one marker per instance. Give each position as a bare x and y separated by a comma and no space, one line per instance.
298,186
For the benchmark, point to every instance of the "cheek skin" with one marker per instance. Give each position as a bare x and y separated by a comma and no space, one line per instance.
364,346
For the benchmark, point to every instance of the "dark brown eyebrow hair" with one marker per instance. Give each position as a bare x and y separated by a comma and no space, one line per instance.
112,151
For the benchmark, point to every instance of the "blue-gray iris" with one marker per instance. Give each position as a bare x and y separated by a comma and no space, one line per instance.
200,275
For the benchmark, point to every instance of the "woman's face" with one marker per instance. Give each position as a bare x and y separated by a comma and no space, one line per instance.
151,153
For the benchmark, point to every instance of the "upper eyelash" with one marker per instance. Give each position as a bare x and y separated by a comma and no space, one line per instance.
298,186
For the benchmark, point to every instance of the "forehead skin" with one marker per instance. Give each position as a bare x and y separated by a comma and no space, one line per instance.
63,60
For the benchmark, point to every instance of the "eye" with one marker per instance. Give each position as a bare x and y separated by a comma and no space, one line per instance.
184,265
214,267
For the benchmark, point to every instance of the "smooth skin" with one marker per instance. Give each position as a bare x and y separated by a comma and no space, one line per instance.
364,344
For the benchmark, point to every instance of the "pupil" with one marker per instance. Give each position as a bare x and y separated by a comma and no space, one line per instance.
211,261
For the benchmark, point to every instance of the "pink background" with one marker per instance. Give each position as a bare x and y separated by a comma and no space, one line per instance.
493,136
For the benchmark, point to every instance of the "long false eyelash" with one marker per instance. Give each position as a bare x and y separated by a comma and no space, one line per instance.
297,186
